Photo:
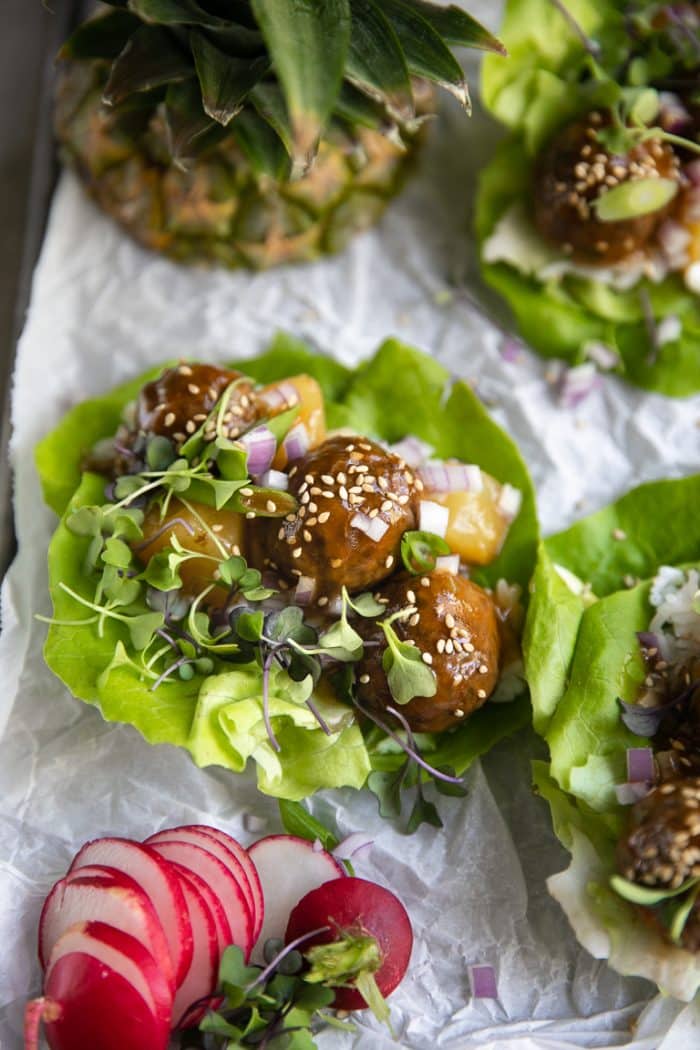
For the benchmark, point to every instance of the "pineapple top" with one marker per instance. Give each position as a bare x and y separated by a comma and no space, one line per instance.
274,73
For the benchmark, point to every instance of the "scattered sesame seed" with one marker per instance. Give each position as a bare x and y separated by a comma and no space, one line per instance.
343,492
441,645
271,506
296,553
483,669
280,534
307,536
364,678
425,581
481,693
327,479
193,388
246,492
414,620
336,563
250,515
389,561
427,658
185,370
324,516
450,621
459,713
322,600
217,528
313,507
619,534
169,419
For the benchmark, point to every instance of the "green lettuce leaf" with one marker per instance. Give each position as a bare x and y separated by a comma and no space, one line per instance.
581,653
218,719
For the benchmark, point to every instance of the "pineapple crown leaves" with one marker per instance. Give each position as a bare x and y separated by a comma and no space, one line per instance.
275,73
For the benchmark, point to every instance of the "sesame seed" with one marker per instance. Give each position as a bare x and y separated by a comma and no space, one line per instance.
327,479
271,506
316,491
185,370
427,658
349,448
389,561
411,595
403,500
250,515
383,483
450,621
481,693
313,507
449,646
619,534
483,669
374,511
305,497
414,620
459,713
217,528
296,553
365,446
343,492
324,516
387,505
364,678
190,426
307,536
362,468
469,648
169,419
322,601
336,563
280,534
441,645
425,581
309,479
246,492
328,495
193,388
458,678
311,522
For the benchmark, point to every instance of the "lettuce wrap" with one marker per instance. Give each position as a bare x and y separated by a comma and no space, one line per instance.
571,313
590,597
217,716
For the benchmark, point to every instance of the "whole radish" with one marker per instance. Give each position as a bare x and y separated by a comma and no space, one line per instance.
362,945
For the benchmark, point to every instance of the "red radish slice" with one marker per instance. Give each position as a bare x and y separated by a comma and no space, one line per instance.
103,989
220,880
154,876
248,866
224,936
289,867
200,836
201,979
359,908
113,898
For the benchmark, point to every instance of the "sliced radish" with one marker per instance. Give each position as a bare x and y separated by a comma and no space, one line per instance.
221,881
356,908
224,936
248,866
103,989
228,852
110,897
201,978
160,884
289,867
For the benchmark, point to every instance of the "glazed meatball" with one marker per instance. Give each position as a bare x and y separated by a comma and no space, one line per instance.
356,500
454,624
176,403
662,844
573,171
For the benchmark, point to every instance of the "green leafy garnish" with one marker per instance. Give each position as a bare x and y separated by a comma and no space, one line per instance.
407,673
419,551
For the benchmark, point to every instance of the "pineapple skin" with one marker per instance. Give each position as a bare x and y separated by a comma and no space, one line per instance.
219,211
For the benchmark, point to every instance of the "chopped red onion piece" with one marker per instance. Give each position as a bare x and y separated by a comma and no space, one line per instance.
640,764
305,590
412,451
451,477
509,501
433,518
575,384
668,330
335,606
511,349
296,443
482,979
673,116
261,445
674,239
447,563
275,479
601,354
628,794
358,842
283,395
372,527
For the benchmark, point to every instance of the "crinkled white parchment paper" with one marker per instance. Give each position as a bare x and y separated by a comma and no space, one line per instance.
103,310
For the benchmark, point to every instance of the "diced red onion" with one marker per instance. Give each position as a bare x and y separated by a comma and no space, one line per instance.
305,590
253,823
511,349
412,451
447,563
692,170
261,445
668,330
482,979
640,764
673,116
296,443
602,355
358,842
335,606
575,384
433,517
510,501
275,479
628,794
674,239
283,395
372,527
451,477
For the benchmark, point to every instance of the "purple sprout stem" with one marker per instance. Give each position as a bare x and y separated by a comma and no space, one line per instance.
169,671
319,717
266,702
162,633
164,528
409,747
272,966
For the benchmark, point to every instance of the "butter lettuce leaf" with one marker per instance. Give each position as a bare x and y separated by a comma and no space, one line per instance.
581,653
219,718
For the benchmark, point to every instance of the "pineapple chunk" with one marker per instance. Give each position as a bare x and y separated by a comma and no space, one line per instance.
311,413
195,529
476,528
